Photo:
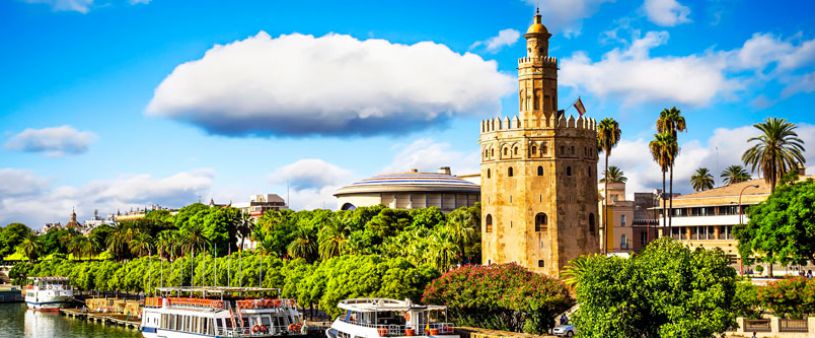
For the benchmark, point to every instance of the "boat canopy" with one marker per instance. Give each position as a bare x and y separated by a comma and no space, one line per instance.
384,305
50,279
217,290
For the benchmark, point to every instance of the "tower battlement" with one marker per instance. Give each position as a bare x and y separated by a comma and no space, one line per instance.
544,122
541,59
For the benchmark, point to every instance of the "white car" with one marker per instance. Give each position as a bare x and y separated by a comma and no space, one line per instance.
563,330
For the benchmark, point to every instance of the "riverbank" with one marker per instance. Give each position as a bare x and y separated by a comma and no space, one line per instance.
17,321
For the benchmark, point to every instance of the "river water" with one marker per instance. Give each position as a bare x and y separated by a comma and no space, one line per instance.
17,321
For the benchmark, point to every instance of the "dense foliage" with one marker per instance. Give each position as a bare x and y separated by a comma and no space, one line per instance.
789,298
323,284
666,291
782,228
505,296
11,236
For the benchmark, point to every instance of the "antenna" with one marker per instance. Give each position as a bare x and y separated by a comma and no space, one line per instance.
288,194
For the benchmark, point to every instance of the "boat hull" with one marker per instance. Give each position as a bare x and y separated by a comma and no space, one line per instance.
151,332
53,304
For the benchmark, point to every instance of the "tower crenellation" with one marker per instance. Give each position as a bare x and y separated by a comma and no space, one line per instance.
538,172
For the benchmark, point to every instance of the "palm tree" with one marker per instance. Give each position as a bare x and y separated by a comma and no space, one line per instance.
461,228
193,238
615,175
167,243
245,227
80,247
671,121
734,174
663,150
332,238
608,135
778,150
304,245
701,180
119,241
141,244
31,247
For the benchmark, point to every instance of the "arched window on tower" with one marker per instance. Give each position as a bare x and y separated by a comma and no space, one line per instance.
506,151
515,151
544,148
540,170
541,221
591,223
568,171
509,172
488,173
534,151
488,223
492,152
537,99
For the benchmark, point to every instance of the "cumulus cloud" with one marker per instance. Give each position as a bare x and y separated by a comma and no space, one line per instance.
81,6
634,76
505,37
566,16
720,150
429,155
297,85
43,203
16,182
800,84
310,174
54,141
666,12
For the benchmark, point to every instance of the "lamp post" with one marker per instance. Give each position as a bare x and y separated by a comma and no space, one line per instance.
741,260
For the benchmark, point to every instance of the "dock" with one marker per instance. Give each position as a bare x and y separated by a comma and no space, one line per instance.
102,318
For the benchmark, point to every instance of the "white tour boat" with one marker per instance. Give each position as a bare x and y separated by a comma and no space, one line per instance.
219,312
48,293
382,317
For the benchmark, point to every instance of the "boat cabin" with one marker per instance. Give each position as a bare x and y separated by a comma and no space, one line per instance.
390,318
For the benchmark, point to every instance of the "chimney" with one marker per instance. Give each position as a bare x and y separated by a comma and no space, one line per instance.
444,170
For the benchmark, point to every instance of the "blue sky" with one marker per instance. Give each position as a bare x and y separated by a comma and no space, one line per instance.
115,104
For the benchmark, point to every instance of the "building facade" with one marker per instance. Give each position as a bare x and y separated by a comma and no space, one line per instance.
538,173
261,203
409,190
620,218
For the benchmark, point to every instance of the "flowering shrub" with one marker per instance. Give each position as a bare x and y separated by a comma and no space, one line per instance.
502,296
790,298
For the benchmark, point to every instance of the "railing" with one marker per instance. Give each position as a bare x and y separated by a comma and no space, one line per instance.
757,325
250,331
792,325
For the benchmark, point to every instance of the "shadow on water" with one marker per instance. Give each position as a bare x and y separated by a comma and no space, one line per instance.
17,321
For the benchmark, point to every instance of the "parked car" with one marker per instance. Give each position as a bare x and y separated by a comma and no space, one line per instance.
563,331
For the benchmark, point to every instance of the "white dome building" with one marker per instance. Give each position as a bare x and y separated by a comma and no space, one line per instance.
410,190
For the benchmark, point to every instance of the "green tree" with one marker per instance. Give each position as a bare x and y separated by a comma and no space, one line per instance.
332,238
99,237
31,247
664,150
615,175
220,227
734,174
463,231
782,228
304,245
776,151
141,244
11,236
701,180
608,135
665,291
275,230
671,121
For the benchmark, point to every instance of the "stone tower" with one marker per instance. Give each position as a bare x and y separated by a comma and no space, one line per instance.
538,173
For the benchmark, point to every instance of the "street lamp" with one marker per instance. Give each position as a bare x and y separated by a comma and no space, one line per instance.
741,260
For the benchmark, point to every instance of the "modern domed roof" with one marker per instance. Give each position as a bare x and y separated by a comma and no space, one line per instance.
412,181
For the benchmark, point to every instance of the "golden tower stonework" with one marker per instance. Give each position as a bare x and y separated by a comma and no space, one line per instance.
538,173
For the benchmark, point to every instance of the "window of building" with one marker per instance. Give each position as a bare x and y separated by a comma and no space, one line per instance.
541,222
540,170
488,173
492,152
488,223
537,99
506,151
544,148
622,220
509,172
588,171
515,151
572,150
534,151
623,242
540,263
563,150
568,171
591,222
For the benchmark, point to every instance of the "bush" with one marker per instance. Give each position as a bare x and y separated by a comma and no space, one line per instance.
789,298
503,296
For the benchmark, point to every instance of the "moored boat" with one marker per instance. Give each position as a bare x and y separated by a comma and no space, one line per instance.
382,317
48,293
219,312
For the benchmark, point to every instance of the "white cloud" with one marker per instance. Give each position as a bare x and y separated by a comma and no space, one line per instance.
15,182
331,85
54,141
310,174
505,37
566,16
139,2
81,6
800,84
429,155
666,12
44,204
720,150
634,76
